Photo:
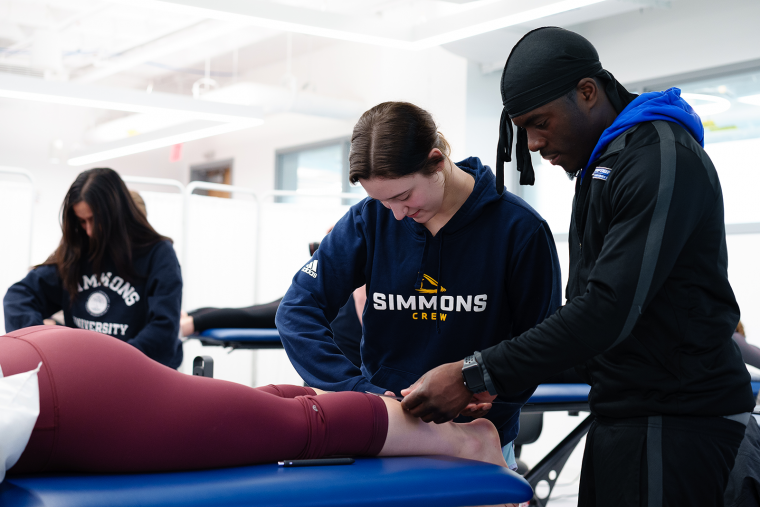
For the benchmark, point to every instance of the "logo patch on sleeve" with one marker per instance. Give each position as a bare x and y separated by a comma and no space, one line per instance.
601,173
311,268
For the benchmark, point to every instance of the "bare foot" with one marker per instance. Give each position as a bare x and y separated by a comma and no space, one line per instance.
486,447
482,442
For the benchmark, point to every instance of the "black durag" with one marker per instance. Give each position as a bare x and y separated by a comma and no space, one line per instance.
543,66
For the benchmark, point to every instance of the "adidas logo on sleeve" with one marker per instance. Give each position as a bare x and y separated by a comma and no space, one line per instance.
311,268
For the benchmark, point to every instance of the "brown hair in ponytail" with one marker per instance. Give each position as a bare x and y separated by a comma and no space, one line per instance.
394,139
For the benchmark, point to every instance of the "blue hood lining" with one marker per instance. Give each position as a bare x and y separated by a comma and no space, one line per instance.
666,105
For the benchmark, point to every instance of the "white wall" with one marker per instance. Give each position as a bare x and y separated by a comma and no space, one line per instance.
482,123
690,35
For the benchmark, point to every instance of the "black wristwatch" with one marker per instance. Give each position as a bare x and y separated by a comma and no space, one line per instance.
473,376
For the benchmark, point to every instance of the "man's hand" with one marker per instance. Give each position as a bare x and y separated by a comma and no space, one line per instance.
479,405
439,395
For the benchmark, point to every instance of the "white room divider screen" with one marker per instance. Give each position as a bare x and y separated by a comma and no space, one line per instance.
17,196
285,231
165,208
743,242
245,250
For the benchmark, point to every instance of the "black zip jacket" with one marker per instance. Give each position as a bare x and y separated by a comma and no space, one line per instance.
650,312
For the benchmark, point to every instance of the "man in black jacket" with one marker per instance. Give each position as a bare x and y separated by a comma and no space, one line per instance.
650,312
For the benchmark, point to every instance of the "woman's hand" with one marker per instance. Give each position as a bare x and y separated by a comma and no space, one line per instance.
186,324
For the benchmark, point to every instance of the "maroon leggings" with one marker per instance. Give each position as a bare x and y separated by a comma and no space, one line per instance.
105,407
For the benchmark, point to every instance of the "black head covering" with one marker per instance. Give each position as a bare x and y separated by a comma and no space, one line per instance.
543,66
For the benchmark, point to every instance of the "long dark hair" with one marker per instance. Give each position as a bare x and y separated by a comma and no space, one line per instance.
119,229
394,139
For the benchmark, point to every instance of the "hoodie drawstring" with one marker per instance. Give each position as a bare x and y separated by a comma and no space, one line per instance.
421,275
420,272
440,284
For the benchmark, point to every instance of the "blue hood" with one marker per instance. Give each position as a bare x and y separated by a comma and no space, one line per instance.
667,105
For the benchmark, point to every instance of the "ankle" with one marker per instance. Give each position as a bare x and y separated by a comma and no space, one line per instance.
482,442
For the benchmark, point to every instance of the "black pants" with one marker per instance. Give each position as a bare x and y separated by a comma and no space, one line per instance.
256,316
658,461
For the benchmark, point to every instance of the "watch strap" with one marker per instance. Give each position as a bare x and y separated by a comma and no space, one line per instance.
486,376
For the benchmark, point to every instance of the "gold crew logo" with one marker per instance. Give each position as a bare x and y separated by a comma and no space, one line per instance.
429,308
432,282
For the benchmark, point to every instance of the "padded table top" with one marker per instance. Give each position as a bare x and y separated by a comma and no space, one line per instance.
408,481
558,397
560,393
574,397
242,335
242,338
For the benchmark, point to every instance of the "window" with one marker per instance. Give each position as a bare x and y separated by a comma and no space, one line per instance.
315,169
730,110
728,101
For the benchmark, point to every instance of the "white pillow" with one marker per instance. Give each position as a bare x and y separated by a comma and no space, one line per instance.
19,408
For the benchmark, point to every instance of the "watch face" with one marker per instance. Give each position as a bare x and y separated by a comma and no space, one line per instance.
473,378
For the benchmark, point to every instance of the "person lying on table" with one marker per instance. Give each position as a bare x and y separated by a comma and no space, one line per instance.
107,408
650,312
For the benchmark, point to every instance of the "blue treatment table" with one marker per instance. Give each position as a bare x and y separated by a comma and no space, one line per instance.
572,398
415,481
241,338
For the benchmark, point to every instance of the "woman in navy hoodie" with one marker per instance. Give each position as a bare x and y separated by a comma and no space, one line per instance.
451,266
111,273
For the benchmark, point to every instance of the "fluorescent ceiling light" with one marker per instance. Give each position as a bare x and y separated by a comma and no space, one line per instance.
77,94
706,105
503,22
271,99
197,129
439,30
753,100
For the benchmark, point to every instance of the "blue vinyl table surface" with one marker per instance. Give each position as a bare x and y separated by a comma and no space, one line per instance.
567,393
405,481
560,393
242,335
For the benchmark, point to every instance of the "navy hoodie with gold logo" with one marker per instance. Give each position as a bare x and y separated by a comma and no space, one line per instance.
489,274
